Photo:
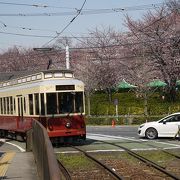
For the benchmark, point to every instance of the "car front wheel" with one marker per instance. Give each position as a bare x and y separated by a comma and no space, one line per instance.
151,133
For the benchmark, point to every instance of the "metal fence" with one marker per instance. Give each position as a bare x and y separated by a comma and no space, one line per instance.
39,142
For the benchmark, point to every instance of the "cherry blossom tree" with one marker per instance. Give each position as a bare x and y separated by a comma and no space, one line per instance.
156,37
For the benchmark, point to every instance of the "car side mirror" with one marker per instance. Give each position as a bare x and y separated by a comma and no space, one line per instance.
164,122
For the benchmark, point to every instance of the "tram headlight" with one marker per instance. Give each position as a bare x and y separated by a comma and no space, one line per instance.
68,125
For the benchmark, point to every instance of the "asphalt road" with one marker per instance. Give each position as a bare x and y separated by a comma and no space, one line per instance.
124,131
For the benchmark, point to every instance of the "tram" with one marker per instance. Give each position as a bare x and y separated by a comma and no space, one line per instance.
53,97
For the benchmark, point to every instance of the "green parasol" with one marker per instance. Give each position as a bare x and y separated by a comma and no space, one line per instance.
157,83
125,85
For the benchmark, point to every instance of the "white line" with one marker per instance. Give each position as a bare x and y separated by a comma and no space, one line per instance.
176,145
97,136
100,136
110,150
20,148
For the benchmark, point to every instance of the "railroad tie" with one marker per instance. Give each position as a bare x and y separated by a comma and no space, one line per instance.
4,162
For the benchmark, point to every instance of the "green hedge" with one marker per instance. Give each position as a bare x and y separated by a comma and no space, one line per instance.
123,120
129,106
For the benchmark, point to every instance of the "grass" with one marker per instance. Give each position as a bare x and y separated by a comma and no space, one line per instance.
158,157
75,161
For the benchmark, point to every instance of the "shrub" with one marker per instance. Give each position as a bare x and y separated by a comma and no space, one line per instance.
130,108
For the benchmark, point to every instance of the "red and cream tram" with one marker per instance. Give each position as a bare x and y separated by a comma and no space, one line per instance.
53,97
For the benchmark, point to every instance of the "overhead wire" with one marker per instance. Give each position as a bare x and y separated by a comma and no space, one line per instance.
35,5
78,13
75,37
139,7
58,33
108,46
88,11
24,28
27,35
48,36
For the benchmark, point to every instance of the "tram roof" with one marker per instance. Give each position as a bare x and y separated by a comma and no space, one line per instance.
5,76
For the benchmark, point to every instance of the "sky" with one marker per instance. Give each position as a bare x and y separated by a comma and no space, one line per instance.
31,23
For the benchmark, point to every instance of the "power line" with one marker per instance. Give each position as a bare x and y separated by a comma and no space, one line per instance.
78,13
36,29
79,39
34,5
24,28
49,36
88,11
27,35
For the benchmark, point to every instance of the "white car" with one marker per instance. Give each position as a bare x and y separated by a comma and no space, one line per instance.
165,127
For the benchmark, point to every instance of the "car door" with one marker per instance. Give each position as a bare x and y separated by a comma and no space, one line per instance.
168,127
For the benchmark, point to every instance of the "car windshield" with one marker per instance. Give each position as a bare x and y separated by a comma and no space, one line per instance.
174,118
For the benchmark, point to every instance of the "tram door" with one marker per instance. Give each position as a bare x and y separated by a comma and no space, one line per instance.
20,107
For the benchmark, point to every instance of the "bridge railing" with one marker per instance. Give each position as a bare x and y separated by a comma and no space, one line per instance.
39,142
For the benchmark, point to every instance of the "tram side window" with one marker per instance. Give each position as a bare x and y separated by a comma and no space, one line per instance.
1,106
11,105
30,104
7,105
36,98
51,103
42,105
14,105
24,104
4,101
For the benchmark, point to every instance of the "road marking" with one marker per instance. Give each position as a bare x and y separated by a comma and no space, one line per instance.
176,145
20,148
108,137
4,162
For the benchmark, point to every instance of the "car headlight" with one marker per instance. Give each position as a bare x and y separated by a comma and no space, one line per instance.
141,125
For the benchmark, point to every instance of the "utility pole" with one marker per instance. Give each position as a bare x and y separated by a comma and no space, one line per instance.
67,57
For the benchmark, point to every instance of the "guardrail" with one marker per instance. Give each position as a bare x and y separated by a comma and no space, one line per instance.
39,142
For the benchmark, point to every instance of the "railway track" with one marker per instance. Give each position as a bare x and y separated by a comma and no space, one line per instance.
108,172
64,170
117,174
165,151
153,146
147,161
100,164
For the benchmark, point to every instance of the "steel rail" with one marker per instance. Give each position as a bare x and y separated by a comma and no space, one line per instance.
172,154
163,150
145,160
64,171
113,173
150,145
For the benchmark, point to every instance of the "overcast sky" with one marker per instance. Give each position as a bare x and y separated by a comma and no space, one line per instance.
31,23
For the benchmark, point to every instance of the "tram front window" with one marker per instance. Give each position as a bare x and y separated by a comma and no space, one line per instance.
51,103
64,102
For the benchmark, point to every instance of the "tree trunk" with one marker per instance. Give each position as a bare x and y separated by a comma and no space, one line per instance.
145,105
